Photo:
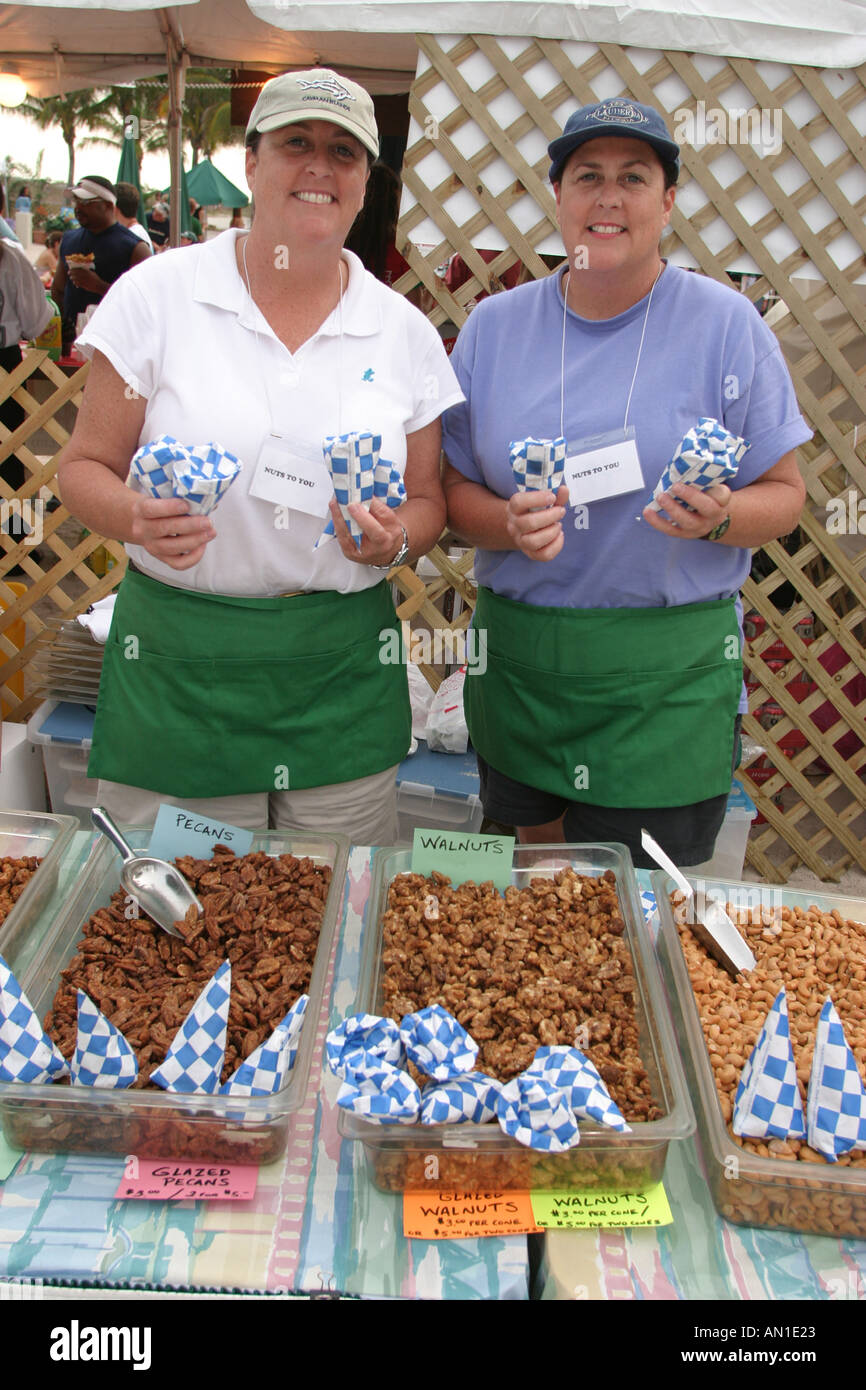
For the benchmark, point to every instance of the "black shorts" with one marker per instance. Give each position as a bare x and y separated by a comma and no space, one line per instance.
686,833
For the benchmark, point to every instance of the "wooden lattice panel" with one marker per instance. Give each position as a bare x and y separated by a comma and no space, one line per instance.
773,185
60,583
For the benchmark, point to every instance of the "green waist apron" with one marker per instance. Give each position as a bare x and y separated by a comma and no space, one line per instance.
210,695
627,707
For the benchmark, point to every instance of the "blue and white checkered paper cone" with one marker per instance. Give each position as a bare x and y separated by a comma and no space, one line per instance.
536,1113
471,1097
537,464
196,1057
352,460
205,476
152,467
267,1069
202,473
386,1095
388,484
767,1104
437,1044
102,1057
361,1043
26,1051
580,1083
836,1102
648,905
707,455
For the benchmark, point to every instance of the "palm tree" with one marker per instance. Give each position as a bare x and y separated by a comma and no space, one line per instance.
207,112
135,109
72,112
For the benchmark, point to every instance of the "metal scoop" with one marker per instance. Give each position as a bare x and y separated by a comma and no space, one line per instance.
157,886
711,925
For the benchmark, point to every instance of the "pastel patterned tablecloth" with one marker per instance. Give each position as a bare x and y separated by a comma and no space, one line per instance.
700,1255
316,1225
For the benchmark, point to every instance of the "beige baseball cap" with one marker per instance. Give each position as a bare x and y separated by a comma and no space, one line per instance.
316,95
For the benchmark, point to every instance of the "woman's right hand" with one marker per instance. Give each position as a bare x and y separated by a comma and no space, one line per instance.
164,527
534,522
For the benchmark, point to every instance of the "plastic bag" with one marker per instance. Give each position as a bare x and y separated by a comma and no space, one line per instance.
446,730
420,698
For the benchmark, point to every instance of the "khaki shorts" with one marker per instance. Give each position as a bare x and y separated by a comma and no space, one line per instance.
364,810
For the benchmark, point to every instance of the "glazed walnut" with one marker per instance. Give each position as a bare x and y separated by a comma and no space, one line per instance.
547,964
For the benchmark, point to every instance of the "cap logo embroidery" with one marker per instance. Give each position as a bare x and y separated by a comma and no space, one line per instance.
329,85
623,112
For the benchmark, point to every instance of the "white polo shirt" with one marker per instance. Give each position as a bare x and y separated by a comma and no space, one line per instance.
182,330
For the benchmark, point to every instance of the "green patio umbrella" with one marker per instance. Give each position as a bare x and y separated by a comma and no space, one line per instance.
212,189
127,172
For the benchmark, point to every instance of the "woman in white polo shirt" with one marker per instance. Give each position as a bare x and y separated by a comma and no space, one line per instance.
242,674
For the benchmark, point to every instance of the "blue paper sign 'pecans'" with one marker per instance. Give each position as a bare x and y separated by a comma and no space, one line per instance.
177,831
464,857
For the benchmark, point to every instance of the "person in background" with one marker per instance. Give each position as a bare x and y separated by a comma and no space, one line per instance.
374,232
237,219
23,201
24,313
7,229
94,255
158,226
128,198
195,218
373,237
46,262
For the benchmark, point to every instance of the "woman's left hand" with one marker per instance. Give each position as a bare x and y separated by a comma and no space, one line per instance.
710,509
382,532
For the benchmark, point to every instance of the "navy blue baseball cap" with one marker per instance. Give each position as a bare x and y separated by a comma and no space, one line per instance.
615,116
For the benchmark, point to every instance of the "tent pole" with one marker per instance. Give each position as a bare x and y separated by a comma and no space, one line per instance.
177,60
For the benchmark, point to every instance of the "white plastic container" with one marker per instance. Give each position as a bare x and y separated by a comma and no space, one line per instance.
729,855
428,808
70,790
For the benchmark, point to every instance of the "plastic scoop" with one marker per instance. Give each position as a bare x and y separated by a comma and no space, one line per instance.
712,925
157,886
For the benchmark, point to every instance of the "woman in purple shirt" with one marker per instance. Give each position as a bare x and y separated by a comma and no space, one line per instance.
613,679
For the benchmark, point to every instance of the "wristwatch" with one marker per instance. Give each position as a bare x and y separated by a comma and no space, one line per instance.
399,557
718,531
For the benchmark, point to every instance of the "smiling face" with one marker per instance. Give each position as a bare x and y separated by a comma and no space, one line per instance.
308,179
612,207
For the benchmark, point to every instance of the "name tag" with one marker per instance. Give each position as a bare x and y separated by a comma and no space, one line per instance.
603,466
289,473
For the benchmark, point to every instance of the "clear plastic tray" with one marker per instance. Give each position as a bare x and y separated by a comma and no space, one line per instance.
471,1156
25,833
746,1188
82,1119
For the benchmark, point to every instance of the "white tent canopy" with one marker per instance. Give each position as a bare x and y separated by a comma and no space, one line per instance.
796,31
58,48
